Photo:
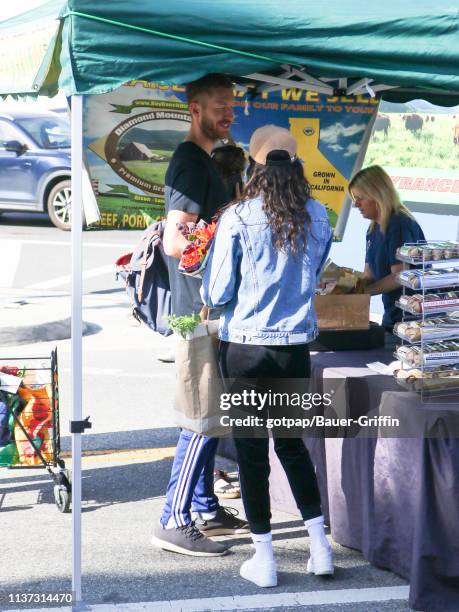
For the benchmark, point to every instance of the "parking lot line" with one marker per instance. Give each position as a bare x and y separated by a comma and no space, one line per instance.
304,599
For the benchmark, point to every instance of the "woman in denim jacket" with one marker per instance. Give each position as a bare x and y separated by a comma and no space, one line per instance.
263,268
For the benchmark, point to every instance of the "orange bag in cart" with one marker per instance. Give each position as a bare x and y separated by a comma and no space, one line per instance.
36,418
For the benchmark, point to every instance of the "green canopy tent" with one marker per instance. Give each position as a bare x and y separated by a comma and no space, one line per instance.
396,50
406,49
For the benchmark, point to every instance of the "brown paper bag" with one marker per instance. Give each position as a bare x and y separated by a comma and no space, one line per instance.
198,384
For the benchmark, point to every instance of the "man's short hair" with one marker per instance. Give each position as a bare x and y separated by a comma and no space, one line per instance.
206,84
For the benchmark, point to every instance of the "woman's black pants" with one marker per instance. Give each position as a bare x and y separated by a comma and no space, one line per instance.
239,361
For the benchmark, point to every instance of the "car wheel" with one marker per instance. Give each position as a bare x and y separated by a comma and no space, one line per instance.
59,205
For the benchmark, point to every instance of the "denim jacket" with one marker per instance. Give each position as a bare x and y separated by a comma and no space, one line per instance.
267,294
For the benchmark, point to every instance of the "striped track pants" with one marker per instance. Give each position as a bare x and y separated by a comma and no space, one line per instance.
191,484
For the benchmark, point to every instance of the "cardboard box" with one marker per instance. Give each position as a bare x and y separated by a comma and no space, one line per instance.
343,311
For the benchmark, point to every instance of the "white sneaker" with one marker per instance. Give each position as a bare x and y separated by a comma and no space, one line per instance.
320,562
263,575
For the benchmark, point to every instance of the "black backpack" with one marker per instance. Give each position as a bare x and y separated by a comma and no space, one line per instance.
147,280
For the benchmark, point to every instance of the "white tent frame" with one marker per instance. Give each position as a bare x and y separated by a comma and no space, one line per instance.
307,83
76,333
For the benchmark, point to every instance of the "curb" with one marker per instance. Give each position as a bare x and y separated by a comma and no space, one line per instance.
44,332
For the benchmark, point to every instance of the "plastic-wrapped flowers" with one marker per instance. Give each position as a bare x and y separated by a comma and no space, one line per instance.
194,257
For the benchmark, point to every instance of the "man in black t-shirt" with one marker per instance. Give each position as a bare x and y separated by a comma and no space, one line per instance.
194,190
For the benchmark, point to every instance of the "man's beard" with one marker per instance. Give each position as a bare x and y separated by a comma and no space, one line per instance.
209,130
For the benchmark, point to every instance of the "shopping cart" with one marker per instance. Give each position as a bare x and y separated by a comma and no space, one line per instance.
29,420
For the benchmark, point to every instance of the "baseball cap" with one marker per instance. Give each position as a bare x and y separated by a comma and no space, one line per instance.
269,139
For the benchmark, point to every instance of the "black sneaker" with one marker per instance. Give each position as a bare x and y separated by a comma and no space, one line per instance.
224,523
187,540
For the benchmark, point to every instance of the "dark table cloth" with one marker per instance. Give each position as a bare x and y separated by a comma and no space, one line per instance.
397,498
394,498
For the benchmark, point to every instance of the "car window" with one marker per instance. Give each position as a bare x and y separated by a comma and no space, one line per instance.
48,132
8,132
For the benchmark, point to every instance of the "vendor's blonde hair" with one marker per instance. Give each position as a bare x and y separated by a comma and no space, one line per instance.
376,184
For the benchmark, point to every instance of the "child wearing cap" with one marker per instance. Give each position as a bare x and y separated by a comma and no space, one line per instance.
263,267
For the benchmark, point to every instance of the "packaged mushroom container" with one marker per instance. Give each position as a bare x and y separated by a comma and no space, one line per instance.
418,380
430,251
431,355
434,328
418,279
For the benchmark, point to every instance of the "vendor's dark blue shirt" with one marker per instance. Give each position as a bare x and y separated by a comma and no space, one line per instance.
381,255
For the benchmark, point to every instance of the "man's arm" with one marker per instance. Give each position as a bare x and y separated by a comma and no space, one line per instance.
185,200
174,242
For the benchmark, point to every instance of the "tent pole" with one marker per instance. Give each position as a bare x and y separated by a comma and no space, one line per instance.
76,362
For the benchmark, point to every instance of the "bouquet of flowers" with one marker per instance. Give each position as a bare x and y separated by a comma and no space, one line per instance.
194,257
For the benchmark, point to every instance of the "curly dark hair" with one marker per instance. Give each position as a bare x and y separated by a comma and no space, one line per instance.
285,191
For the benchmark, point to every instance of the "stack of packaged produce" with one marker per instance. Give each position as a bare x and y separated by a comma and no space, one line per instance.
435,328
418,380
429,279
429,355
430,251
430,351
430,303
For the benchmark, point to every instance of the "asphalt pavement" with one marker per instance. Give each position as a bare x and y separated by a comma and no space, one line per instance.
127,459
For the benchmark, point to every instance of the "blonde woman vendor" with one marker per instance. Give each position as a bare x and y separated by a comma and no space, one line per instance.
392,225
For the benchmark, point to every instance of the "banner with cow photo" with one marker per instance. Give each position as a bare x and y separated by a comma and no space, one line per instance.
418,145
130,135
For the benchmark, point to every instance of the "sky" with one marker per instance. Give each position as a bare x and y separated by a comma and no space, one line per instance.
11,9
